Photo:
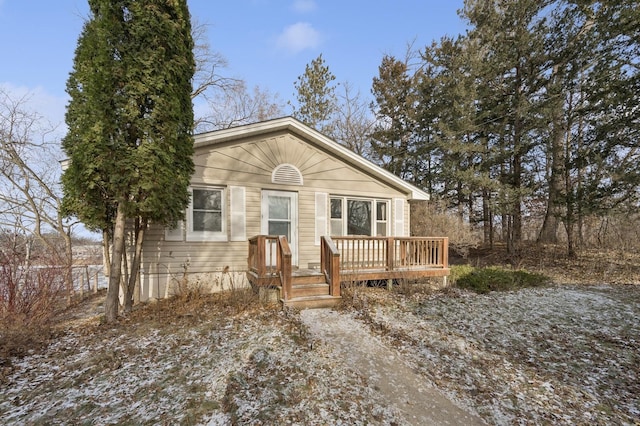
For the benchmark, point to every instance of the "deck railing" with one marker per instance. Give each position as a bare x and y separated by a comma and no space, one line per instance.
330,265
283,257
391,253
270,256
262,254
366,257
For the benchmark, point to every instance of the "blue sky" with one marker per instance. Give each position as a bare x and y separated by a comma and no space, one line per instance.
266,42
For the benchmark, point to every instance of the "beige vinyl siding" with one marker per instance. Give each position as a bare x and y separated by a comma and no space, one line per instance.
308,252
252,163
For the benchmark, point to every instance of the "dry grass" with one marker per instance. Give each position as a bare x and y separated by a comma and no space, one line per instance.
589,267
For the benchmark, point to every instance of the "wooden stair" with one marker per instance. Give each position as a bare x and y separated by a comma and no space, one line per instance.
310,291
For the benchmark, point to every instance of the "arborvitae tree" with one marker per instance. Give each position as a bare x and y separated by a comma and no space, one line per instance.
316,97
130,122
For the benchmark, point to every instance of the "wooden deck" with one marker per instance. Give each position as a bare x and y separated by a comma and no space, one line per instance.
343,260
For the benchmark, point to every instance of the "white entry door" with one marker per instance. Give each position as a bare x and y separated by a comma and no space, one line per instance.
280,217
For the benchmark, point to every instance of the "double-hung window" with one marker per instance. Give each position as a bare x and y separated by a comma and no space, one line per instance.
336,217
382,213
206,215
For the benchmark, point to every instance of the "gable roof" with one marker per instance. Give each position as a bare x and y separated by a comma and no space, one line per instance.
313,137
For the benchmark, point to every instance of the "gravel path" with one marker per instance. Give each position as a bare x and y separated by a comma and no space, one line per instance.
386,370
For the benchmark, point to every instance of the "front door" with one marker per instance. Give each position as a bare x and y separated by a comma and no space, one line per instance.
280,217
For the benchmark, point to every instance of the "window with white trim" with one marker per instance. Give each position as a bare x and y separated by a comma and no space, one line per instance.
382,211
336,217
206,216
359,216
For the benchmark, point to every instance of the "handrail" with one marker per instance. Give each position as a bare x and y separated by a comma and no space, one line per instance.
330,264
272,254
283,262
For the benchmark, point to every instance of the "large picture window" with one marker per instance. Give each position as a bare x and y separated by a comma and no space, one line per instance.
206,215
355,216
358,217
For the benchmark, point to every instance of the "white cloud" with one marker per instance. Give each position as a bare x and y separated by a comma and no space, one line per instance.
298,37
301,6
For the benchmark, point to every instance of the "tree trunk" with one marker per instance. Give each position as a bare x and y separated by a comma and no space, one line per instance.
549,230
460,200
106,256
514,246
124,274
112,302
487,219
141,226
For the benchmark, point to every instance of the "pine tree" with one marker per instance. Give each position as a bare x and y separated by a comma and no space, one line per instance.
510,35
130,122
316,97
395,140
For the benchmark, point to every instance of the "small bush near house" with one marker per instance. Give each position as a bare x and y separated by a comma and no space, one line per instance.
433,219
30,296
484,280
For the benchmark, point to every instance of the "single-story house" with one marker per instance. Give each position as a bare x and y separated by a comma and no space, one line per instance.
274,178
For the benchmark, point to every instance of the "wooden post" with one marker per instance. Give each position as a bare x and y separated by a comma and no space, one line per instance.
261,253
330,265
88,278
335,275
284,260
445,252
390,253
82,285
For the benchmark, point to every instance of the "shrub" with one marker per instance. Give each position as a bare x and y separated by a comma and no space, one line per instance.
30,296
28,293
458,271
432,219
484,280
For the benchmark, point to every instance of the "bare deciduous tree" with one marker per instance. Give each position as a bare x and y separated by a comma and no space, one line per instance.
29,182
353,121
235,106
228,101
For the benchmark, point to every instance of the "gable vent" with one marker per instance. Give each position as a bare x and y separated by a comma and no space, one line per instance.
286,174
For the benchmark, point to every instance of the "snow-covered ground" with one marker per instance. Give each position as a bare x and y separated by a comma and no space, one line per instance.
558,355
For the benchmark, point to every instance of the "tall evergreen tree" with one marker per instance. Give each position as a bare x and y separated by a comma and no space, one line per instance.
130,122
533,111
395,140
316,96
512,67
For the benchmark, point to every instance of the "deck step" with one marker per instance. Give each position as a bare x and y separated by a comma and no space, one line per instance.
307,290
312,302
303,277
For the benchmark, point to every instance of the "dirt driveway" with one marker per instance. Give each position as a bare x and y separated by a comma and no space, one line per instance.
415,399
